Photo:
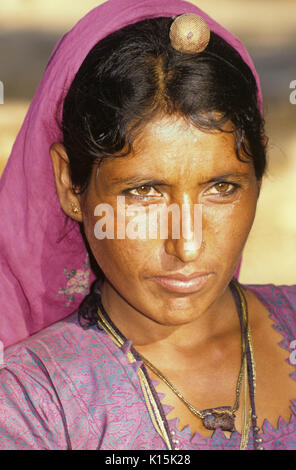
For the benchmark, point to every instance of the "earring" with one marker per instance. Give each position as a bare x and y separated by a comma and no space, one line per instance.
75,209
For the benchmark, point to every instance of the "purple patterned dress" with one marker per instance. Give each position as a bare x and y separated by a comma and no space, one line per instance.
70,388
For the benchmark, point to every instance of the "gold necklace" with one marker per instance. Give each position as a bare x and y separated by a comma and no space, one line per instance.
247,413
151,402
213,418
223,416
215,413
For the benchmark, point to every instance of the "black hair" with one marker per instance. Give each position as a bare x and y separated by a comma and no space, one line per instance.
134,75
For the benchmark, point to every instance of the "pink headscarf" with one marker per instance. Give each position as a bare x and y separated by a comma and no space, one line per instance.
44,268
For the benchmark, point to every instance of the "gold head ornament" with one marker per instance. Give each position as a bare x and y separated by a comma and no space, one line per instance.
190,34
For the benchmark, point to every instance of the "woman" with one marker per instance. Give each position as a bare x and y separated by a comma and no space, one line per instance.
155,109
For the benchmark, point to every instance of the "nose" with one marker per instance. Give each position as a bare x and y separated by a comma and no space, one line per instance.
185,243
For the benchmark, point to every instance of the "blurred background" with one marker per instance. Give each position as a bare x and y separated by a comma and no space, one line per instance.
29,30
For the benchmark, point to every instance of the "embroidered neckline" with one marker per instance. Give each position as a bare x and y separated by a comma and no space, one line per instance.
269,432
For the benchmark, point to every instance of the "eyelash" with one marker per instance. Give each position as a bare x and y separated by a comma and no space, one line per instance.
128,192
228,193
143,198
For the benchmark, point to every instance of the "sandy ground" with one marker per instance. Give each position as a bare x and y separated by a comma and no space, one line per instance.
270,253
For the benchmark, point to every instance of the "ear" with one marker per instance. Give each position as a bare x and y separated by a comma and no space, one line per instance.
67,198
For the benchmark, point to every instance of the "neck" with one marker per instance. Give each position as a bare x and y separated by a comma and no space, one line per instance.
216,322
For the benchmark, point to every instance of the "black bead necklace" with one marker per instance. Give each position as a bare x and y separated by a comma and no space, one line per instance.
220,417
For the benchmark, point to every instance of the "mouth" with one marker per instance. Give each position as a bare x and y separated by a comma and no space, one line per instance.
183,284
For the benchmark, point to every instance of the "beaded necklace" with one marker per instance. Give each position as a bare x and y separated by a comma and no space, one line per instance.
220,417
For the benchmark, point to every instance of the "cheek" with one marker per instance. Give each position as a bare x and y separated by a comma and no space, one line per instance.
125,259
127,247
229,224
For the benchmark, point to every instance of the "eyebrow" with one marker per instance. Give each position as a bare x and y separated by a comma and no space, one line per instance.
142,180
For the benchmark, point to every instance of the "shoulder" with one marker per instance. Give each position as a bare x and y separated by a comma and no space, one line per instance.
60,361
59,349
280,301
46,383
282,295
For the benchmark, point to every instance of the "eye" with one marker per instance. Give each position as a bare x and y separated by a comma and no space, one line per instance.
143,191
222,188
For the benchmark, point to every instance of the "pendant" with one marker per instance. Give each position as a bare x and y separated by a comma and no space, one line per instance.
221,417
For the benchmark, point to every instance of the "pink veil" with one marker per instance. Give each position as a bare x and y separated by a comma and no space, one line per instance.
44,267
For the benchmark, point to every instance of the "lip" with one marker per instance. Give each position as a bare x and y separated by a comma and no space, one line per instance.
183,284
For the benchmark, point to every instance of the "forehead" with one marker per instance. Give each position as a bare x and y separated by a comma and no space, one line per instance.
171,146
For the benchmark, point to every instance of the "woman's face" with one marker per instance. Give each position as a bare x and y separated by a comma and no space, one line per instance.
172,162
